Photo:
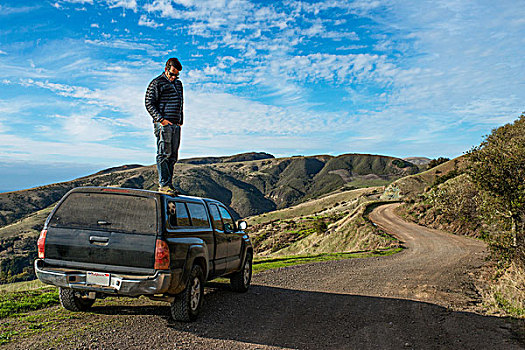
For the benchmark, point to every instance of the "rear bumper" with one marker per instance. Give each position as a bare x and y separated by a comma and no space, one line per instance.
120,284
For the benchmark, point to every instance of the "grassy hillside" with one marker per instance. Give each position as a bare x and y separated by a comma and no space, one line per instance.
411,186
339,200
419,161
248,187
334,223
250,183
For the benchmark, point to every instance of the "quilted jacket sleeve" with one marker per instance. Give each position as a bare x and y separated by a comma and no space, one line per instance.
181,105
152,101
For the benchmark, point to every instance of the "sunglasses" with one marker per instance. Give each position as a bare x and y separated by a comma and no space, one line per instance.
172,74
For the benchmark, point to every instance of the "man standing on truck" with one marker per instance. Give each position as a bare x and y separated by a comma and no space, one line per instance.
164,102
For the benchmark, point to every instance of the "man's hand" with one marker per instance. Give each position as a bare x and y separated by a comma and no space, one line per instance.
165,122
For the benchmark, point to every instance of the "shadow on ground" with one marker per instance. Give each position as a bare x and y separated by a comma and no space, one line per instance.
320,320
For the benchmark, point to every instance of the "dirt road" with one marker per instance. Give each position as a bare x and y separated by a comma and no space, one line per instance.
417,299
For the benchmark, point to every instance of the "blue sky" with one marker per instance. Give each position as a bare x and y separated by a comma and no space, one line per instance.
391,77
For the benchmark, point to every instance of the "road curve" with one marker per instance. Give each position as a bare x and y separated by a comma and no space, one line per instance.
412,300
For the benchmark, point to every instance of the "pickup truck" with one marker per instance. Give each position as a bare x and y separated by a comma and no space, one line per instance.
101,241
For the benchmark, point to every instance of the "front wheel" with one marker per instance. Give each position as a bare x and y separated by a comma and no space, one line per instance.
74,300
187,304
240,281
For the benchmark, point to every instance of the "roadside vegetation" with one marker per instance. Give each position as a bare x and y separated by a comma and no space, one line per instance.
13,303
275,263
435,162
334,223
481,194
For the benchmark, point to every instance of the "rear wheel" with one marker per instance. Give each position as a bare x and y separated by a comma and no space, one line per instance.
240,281
187,304
74,300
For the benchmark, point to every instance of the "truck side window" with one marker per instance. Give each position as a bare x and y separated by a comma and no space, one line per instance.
177,214
217,222
198,215
227,219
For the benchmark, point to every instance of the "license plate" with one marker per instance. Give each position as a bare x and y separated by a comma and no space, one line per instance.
98,278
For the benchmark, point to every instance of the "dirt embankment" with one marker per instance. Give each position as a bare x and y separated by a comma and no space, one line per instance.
421,298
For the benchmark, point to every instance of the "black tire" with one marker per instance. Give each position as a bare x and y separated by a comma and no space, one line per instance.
188,304
73,301
240,280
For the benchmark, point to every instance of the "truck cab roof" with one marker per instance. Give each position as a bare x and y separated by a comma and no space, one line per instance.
139,192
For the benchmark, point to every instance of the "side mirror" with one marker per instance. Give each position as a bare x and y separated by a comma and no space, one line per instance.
242,225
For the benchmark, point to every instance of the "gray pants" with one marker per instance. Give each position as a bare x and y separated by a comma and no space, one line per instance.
168,142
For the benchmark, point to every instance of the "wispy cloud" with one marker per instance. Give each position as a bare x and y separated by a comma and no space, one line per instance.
85,128
90,2
126,44
144,21
25,148
7,10
125,4
288,77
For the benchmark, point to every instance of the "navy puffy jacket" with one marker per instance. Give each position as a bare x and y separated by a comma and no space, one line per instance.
164,100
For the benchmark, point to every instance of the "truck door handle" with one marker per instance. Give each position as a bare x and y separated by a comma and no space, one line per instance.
98,239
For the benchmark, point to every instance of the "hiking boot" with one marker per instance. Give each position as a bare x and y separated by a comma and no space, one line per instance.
168,190
174,190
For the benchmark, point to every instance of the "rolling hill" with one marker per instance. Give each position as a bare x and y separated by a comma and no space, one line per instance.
250,183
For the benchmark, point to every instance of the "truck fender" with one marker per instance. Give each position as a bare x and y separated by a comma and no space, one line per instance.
246,247
197,254
185,252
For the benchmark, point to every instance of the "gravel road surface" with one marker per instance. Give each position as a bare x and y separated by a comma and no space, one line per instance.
421,298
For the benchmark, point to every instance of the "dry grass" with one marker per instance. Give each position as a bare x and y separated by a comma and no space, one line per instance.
414,184
507,294
340,201
351,233
26,226
21,286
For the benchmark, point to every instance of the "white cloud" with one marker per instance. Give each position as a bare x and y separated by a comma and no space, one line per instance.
128,45
6,10
125,4
94,25
492,111
340,68
62,89
351,47
423,71
144,21
319,29
83,128
163,6
89,2
26,148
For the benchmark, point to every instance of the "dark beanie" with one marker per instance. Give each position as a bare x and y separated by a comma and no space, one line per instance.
173,62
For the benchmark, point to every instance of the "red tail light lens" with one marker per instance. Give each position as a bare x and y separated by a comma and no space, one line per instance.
162,255
41,244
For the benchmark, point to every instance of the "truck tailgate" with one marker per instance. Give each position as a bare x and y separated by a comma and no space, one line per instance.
104,228
101,247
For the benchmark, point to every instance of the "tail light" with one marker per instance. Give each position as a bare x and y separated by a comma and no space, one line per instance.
41,244
162,255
